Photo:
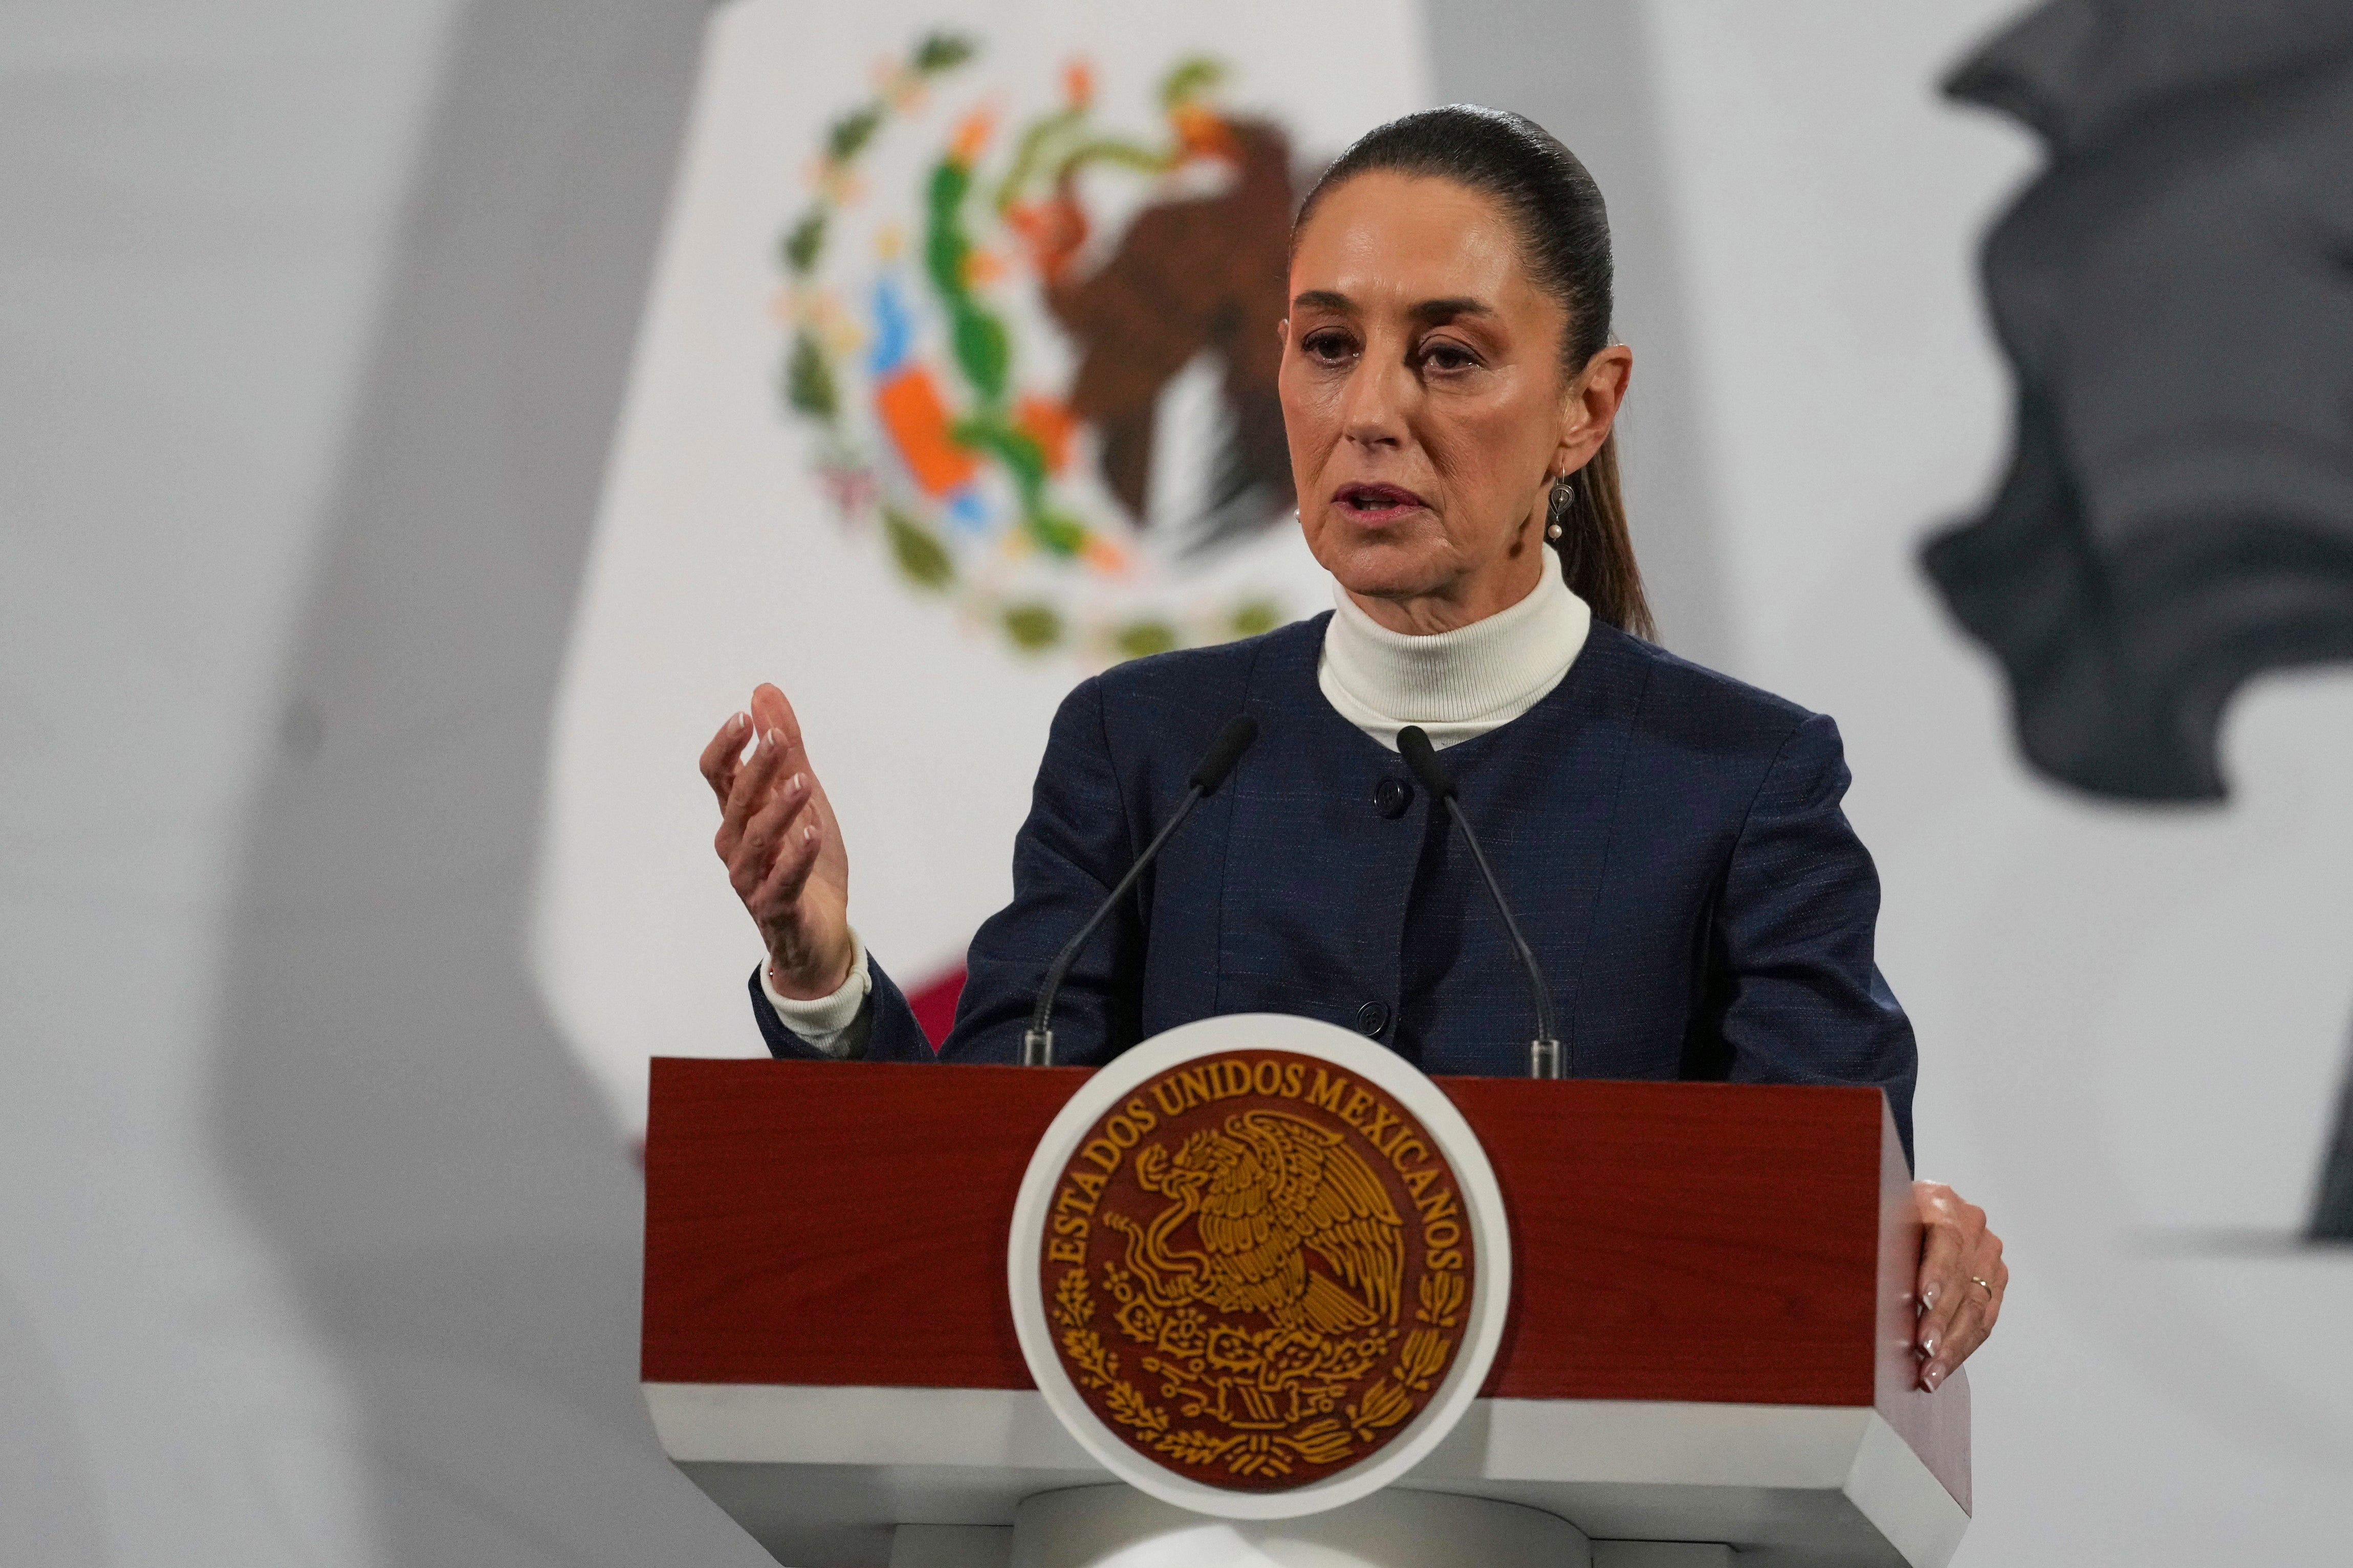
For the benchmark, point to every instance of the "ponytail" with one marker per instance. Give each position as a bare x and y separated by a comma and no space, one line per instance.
1597,549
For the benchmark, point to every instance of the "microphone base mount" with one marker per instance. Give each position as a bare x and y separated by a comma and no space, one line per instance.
1037,1047
1544,1059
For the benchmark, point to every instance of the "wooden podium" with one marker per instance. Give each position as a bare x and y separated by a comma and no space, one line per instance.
1708,1339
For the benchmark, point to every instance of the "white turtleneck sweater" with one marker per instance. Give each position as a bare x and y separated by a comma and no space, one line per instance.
1455,684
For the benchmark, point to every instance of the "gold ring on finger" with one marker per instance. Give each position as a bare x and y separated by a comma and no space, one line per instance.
1987,1283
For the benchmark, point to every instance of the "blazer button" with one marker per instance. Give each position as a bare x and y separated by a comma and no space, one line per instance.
1391,797
1372,1018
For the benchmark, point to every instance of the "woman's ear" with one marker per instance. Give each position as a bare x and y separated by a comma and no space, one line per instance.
1589,405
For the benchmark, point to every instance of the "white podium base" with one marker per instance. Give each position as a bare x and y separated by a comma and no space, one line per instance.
820,1475
1119,1527
1083,1520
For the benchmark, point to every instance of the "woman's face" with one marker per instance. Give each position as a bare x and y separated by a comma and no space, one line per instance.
1424,401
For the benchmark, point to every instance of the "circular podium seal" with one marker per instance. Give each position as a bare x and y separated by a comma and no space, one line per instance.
1258,1266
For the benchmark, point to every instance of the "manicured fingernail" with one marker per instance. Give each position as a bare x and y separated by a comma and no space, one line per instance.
1929,1345
1932,1377
735,725
809,832
1928,1296
795,783
770,741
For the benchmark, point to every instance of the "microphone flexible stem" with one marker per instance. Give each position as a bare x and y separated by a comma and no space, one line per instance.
1038,1045
1546,1056
1544,1061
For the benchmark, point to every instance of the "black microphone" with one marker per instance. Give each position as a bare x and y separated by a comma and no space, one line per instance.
1546,1059
1037,1043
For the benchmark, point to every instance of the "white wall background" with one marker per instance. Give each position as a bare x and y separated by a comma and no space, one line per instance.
199,206
314,1247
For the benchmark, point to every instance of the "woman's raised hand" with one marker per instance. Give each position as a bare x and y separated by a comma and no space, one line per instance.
781,849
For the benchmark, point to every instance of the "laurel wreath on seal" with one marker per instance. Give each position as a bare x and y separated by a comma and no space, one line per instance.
1328,1440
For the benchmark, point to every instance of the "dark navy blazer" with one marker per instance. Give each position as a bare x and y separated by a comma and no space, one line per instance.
1669,838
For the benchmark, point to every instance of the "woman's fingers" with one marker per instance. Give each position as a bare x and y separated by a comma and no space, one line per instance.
724,756
755,852
1961,1281
722,762
771,709
777,895
1962,1334
1938,1290
754,783
1996,1273
1972,1320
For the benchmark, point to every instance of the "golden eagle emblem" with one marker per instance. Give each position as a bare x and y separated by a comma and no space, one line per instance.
1264,1192
1258,1273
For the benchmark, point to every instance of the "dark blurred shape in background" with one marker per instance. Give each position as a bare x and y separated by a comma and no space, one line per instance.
2176,294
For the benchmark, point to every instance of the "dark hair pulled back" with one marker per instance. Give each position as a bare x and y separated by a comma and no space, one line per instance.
1564,232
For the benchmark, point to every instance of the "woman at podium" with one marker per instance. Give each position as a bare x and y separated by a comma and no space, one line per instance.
1669,839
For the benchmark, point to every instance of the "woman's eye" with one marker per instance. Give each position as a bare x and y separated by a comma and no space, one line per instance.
1328,346
1447,356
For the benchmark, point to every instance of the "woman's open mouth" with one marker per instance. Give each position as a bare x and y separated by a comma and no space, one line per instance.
1376,503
